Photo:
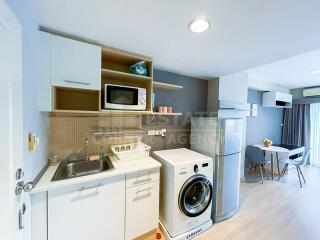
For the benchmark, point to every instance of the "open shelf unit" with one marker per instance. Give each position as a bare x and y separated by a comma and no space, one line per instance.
167,86
72,99
115,69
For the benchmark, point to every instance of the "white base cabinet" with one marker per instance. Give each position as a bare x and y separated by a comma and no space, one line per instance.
117,208
142,203
93,210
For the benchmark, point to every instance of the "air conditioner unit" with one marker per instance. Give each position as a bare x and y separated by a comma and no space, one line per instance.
311,92
277,99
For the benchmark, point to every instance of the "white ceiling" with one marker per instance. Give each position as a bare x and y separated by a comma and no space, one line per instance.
243,34
294,72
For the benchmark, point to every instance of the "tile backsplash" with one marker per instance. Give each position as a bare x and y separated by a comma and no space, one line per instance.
67,133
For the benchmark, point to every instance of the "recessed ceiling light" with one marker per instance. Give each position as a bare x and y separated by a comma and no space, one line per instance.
315,71
199,25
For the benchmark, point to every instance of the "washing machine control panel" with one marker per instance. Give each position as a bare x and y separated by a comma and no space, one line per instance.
198,168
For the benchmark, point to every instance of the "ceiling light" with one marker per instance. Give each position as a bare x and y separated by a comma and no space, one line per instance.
315,71
199,25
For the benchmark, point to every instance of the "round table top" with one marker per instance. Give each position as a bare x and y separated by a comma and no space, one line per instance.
272,148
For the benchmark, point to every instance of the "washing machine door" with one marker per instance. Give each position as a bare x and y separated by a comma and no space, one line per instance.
195,195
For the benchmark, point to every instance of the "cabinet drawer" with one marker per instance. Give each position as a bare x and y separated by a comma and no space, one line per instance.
142,209
142,177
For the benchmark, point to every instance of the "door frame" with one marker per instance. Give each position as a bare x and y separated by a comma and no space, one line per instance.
11,123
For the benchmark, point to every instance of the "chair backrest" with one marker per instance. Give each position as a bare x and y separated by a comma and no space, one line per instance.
255,154
305,157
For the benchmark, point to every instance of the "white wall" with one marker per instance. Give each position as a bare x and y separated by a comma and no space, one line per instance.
33,121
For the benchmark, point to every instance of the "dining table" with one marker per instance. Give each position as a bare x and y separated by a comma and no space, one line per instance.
289,150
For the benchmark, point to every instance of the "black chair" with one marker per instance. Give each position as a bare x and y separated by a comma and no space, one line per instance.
256,157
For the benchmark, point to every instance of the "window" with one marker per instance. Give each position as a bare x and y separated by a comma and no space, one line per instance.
315,134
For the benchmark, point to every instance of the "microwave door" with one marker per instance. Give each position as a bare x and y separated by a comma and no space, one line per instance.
122,97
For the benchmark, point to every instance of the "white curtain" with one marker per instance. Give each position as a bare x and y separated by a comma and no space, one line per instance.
315,134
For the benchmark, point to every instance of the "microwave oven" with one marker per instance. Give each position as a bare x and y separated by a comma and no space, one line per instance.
124,97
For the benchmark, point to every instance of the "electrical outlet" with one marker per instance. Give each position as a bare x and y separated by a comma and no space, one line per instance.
151,133
158,132
163,132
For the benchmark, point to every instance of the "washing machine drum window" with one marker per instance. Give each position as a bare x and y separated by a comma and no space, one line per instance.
195,195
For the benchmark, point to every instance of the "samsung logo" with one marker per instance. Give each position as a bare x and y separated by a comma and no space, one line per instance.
193,234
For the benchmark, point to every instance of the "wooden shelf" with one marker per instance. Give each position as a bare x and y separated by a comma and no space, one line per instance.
169,114
167,86
111,112
72,99
118,60
119,55
125,112
107,73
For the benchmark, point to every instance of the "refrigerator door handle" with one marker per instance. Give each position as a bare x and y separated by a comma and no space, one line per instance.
229,154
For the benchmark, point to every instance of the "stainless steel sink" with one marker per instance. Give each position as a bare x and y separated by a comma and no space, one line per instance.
82,168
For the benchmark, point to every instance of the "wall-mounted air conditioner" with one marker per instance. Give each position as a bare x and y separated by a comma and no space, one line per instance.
311,92
277,99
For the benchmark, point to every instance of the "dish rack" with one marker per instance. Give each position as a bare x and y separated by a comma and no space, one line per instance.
130,151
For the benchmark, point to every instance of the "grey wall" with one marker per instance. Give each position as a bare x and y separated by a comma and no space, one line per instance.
266,124
297,95
192,98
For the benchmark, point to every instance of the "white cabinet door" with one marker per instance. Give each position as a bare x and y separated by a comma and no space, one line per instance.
234,88
142,209
44,81
75,64
90,211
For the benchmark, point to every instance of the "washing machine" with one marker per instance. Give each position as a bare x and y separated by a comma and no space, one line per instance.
186,179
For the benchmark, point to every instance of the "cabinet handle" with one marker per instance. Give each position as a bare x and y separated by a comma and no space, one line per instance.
144,190
143,175
82,83
87,188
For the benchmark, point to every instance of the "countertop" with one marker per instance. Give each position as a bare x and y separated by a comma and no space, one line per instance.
120,167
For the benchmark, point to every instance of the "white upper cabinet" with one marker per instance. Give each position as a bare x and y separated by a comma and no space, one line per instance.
75,64
44,85
234,88
277,99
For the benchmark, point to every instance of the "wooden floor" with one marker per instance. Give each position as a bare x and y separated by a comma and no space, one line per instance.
274,210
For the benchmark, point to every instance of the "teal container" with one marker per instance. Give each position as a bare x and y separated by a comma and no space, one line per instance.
139,68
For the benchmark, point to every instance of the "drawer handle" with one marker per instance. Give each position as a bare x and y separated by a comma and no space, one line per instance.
144,190
82,83
87,188
143,175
